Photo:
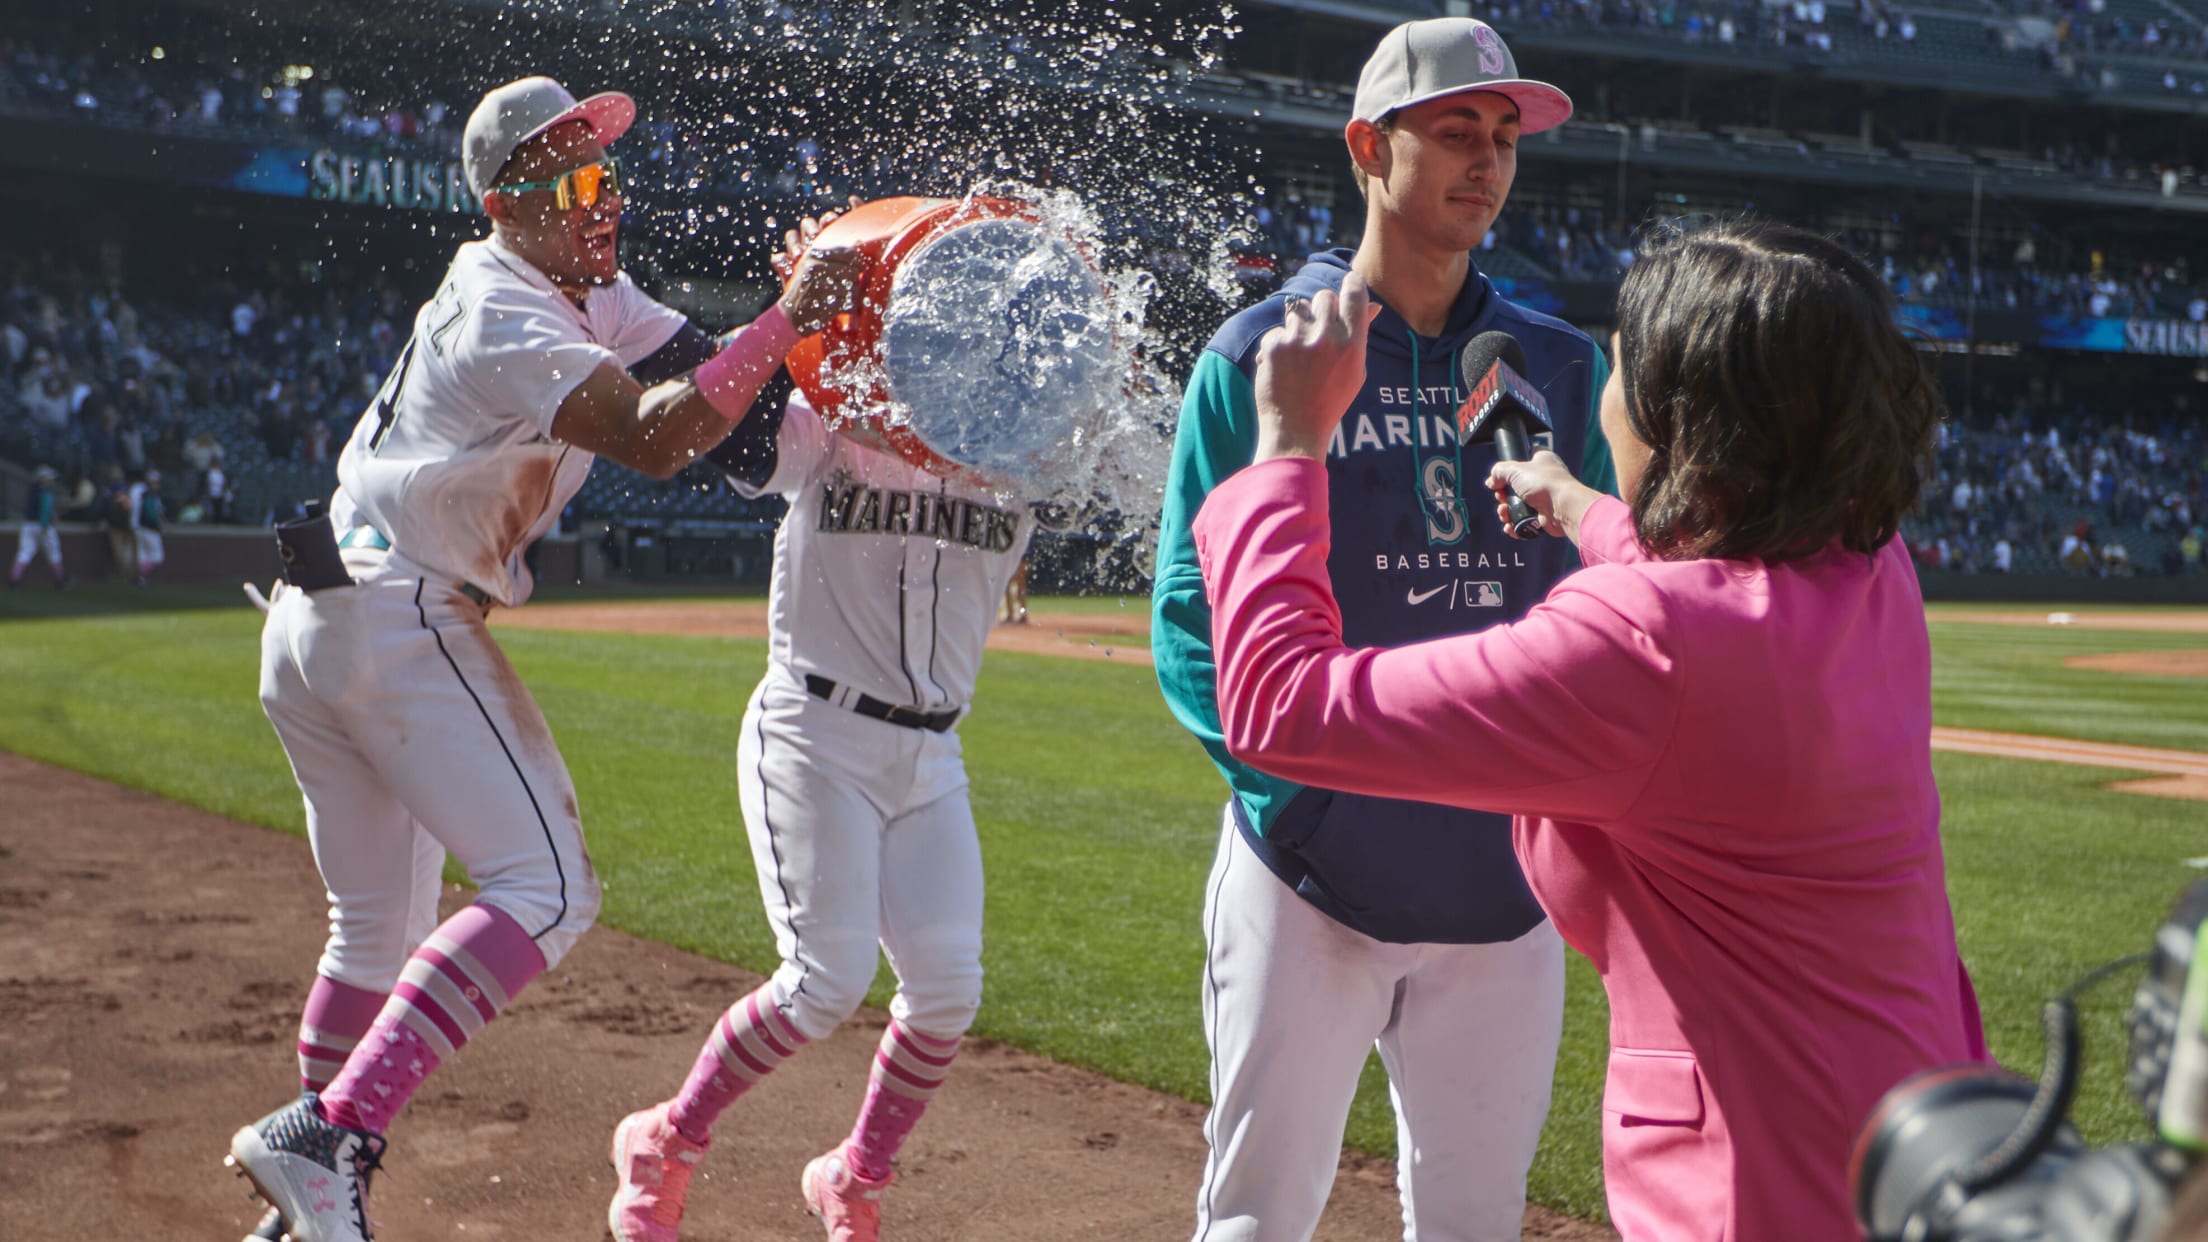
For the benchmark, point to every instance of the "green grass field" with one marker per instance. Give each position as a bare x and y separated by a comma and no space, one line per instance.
1098,821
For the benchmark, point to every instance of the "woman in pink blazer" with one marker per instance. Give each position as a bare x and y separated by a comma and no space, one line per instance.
1716,738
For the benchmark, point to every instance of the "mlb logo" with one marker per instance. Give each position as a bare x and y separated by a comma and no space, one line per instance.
1483,594
1544,440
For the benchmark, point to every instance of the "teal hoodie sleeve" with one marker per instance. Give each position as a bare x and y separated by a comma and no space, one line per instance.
1217,436
1596,469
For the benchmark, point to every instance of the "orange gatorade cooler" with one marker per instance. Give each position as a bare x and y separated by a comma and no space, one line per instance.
982,345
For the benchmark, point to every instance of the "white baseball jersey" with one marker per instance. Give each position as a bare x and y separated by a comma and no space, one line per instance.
886,577
454,461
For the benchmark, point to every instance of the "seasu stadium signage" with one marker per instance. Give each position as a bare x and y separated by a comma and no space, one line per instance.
389,181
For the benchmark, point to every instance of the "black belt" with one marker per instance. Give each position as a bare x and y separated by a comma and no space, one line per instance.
867,705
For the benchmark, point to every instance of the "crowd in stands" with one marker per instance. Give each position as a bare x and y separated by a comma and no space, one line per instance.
241,395
207,90
1296,226
100,385
213,89
1795,23
2088,26
240,398
2078,26
1574,243
2030,274
1922,267
227,394
2031,491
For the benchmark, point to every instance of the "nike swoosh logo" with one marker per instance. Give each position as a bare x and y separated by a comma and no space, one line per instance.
1420,597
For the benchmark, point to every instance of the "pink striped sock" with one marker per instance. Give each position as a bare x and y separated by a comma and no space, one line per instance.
470,968
747,1043
336,1017
909,1068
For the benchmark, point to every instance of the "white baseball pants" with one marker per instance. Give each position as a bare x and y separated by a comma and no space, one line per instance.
1293,1003
411,735
862,834
36,539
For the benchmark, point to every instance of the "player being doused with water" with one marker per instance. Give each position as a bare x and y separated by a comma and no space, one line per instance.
887,580
409,733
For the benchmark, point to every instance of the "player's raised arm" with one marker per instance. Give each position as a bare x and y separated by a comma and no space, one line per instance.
661,429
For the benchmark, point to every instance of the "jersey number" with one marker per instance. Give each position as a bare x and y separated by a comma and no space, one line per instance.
387,397
444,313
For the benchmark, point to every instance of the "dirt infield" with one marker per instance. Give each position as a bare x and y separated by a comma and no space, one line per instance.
2180,773
2144,663
1125,634
1087,636
2168,621
153,958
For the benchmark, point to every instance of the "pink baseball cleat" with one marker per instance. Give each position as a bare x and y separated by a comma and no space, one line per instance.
653,1162
848,1204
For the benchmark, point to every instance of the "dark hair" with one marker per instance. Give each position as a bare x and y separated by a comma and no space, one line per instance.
1782,407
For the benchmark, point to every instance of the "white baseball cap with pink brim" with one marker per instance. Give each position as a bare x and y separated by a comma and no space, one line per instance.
518,111
1425,60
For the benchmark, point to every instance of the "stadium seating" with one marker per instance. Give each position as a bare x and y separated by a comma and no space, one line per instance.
1539,243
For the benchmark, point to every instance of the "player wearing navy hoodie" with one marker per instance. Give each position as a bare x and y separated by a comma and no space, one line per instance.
1335,922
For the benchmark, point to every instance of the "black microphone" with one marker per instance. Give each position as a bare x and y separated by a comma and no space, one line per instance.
1502,408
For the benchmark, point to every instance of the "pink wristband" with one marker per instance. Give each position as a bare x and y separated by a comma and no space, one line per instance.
732,378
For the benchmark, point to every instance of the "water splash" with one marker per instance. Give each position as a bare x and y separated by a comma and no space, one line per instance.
753,112
1078,106
1009,349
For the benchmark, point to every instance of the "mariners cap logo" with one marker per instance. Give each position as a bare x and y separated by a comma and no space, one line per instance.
1491,49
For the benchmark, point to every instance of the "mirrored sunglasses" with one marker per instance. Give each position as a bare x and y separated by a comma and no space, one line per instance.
576,186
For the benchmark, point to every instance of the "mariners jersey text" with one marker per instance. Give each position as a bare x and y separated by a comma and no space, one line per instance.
1449,560
849,506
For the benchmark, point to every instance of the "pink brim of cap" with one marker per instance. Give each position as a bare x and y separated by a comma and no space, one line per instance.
1540,105
610,114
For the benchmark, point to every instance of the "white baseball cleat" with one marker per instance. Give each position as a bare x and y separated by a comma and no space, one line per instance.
314,1173
271,1228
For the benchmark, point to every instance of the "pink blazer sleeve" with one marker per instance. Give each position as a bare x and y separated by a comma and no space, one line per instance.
1562,714
1607,535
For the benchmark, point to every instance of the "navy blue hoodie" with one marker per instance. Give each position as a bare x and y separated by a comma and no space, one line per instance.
1417,554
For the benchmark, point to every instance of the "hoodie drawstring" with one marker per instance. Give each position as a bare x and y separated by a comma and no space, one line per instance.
1418,461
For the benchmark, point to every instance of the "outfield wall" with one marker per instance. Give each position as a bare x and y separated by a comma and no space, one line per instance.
203,555
216,555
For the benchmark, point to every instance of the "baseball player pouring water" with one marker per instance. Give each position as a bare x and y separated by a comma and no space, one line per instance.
1335,922
886,582
407,729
